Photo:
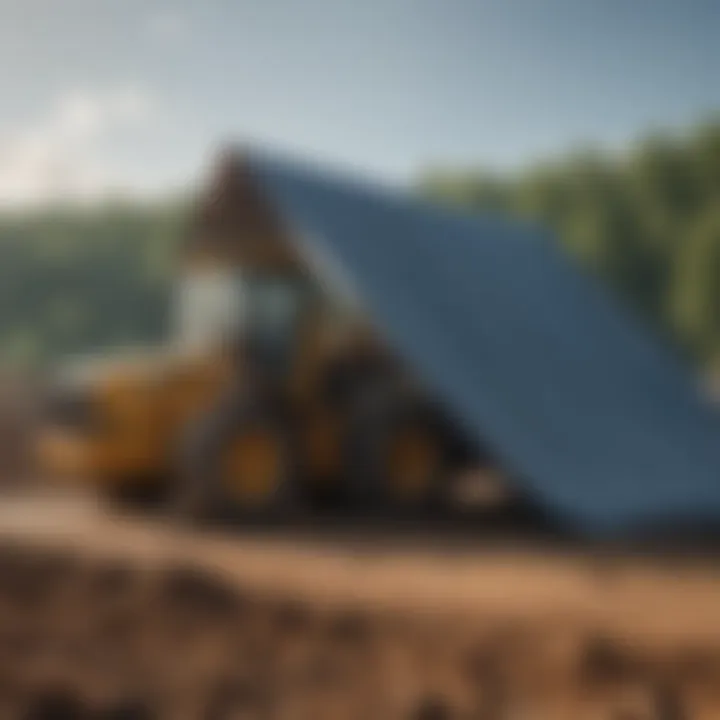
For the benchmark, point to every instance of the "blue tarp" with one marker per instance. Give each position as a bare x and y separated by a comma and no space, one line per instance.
576,398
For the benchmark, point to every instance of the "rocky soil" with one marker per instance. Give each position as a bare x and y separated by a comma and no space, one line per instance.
88,638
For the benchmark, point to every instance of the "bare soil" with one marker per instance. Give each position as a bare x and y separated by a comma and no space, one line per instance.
108,616
104,616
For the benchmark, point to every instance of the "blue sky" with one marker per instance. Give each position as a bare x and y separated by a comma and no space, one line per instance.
135,94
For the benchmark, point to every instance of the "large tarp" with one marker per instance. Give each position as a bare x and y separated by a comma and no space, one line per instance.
596,418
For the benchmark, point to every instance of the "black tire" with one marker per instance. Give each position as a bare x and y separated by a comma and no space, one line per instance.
146,494
376,419
202,491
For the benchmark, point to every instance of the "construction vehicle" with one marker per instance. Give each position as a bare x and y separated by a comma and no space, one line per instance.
277,393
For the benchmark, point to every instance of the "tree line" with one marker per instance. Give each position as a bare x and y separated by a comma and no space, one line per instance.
647,221
75,280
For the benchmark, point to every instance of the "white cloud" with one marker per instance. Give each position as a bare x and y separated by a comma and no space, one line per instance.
58,157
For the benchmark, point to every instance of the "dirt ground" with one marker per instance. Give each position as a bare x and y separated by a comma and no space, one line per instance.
108,616
105,616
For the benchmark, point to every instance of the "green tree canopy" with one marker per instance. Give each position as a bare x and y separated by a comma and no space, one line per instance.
647,222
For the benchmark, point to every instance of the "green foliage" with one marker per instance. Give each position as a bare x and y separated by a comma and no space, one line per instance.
647,222
73,280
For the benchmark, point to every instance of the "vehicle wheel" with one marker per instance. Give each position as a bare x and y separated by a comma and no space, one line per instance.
145,494
398,457
237,462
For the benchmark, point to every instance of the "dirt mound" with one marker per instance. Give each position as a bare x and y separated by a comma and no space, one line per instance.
82,638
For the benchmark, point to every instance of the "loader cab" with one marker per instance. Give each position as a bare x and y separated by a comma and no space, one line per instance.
243,286
253,311
276,304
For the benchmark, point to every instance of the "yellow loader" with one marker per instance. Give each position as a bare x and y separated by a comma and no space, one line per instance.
275,392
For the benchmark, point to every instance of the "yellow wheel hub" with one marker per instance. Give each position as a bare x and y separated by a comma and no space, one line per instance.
254,466
413,461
